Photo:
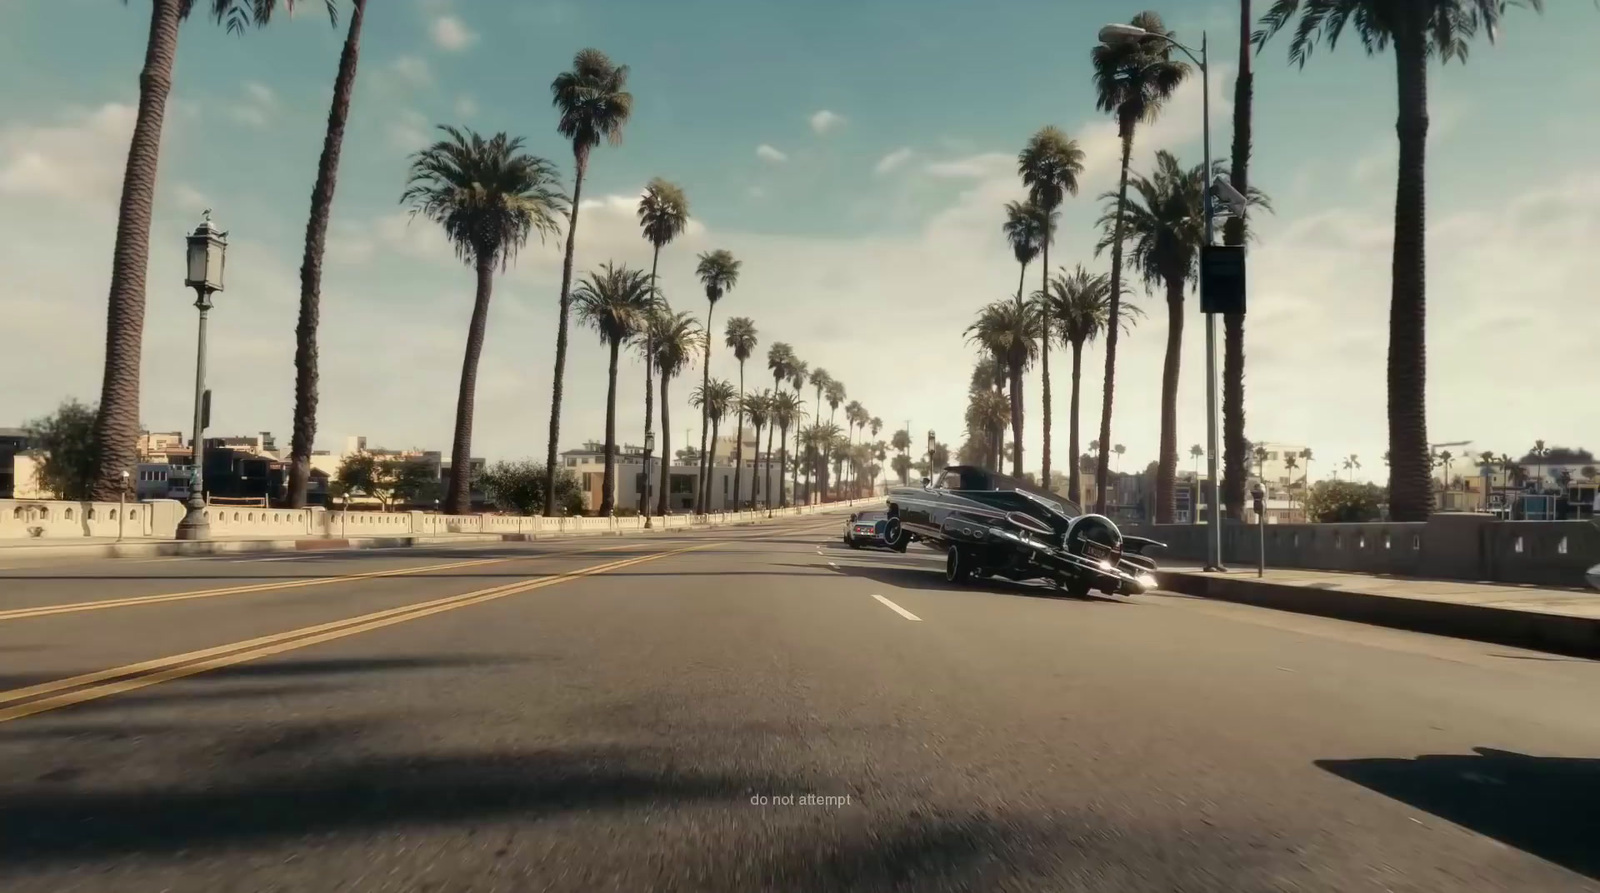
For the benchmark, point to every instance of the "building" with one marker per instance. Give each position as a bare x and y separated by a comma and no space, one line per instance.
588,464
153,446
1280,467
13,443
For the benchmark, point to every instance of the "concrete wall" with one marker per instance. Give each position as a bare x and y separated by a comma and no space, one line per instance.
1447,546
54,519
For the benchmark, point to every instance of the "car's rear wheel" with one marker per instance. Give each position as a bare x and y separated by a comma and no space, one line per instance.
957,565
895,536
1074,588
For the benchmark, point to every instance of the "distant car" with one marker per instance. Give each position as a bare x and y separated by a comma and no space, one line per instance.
867,529
1594,573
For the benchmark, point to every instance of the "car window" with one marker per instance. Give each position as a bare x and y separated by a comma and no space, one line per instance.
950,481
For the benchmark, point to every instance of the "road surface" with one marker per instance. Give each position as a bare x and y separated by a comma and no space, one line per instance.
755,709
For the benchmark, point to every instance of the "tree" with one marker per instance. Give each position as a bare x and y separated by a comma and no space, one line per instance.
305,332
855,415
1049,166
719,273
117,423
388,479
489,197
780,359
713,398
519,487
595,105
1344,502
740,337
1418,31
1010,331
616,302
987,411
1233,233
902,467
663,214
1027,229
1132,81
758,409
63,445
675,338
901,442
1080,304
835,395
787,411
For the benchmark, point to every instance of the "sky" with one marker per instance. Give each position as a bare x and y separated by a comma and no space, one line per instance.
855,156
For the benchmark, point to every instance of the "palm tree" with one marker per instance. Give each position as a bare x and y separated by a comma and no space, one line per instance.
116,427
713,398
594,104
740,337
987,411
1352,464
616,302
1418,30
1538,453
1290,463
663,214
1119,449
819,379
305,333
787,411
1010,331
1049,166
489,197
1025,229
855,415
1446,461
675,338
1132,81
1195,453
797,379
1079,305
1233,233
1306,456
780,357
718,272
757,408
835,395
901,441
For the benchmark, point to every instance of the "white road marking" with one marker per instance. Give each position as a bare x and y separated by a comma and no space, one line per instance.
896,608
281,558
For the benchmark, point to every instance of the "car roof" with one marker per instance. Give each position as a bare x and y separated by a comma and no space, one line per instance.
867,516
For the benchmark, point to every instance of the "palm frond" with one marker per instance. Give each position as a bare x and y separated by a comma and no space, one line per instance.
593,100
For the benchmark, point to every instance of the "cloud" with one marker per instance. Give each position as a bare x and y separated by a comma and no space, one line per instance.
189,199
413,70
466,106
449,33
824,121
409,132
756,192
972,167
770,154
80,158
257,107
893,160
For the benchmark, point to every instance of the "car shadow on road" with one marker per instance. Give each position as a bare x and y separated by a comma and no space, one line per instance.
1545,806
907,574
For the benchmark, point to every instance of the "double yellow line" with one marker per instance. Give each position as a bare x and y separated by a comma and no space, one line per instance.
118,680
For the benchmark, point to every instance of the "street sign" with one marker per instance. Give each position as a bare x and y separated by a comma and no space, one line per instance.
1222,279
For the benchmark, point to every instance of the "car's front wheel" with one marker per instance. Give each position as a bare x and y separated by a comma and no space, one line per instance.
957,565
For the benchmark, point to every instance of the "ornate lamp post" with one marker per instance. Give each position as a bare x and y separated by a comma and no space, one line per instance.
644,491
208,251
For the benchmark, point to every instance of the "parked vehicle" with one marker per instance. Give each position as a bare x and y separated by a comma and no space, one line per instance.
991,525
866,529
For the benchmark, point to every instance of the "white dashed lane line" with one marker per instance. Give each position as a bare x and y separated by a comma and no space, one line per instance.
896,608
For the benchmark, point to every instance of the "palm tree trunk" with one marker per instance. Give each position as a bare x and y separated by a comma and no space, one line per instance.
1022,278
649,363
608,502
1112,327
1016,421
783,460
738,444
666,447
458,498
582,158
703,493
1410,490
305,332
716,426
1044,366
1074,475
1167,467
1235,462
116,428
776,384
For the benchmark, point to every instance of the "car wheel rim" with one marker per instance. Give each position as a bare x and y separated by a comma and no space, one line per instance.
952,564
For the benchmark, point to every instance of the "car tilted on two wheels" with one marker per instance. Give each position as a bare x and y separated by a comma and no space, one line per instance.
991,525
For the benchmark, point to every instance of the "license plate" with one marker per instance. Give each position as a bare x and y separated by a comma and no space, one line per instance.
1090,550
865,530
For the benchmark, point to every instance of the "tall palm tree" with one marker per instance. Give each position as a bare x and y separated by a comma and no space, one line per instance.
901,442
1010,331
1196,452
835,394
1026,228
1079,305
713,398
740,337
675,337
116,427
1049,166
1233,233
757,407
798,371
1132,82
780,357
616,302
489,197
1306,456
855,415
987,410
1418,30
787,411
594,103
875,424
719,273
305,332
663,214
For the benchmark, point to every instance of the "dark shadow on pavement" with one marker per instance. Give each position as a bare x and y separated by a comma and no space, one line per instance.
1546,806
930,576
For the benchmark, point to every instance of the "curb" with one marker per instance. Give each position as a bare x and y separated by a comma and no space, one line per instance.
1534,630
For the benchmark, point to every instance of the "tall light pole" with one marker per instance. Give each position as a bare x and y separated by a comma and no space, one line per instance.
208,251
1123,35
649,447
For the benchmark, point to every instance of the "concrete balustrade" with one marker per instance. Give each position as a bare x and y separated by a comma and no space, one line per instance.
57,519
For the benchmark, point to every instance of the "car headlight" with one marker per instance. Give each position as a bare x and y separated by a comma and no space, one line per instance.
1106,565
1148,581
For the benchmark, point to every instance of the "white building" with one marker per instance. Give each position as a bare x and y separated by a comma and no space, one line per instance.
588,464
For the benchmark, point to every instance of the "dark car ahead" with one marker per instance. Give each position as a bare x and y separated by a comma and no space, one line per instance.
866,529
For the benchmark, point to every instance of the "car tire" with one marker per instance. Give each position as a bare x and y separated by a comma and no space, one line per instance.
957,565
1073,588
852,544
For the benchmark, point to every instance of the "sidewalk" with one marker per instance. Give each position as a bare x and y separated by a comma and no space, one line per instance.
1562,621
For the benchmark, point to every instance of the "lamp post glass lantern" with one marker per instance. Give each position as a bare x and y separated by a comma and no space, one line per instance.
644,488
207,258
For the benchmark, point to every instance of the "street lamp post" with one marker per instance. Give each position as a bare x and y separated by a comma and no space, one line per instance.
208,250
644,491
1122,35
932,444
122,504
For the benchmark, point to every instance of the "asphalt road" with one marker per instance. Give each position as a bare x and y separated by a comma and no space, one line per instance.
755,709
